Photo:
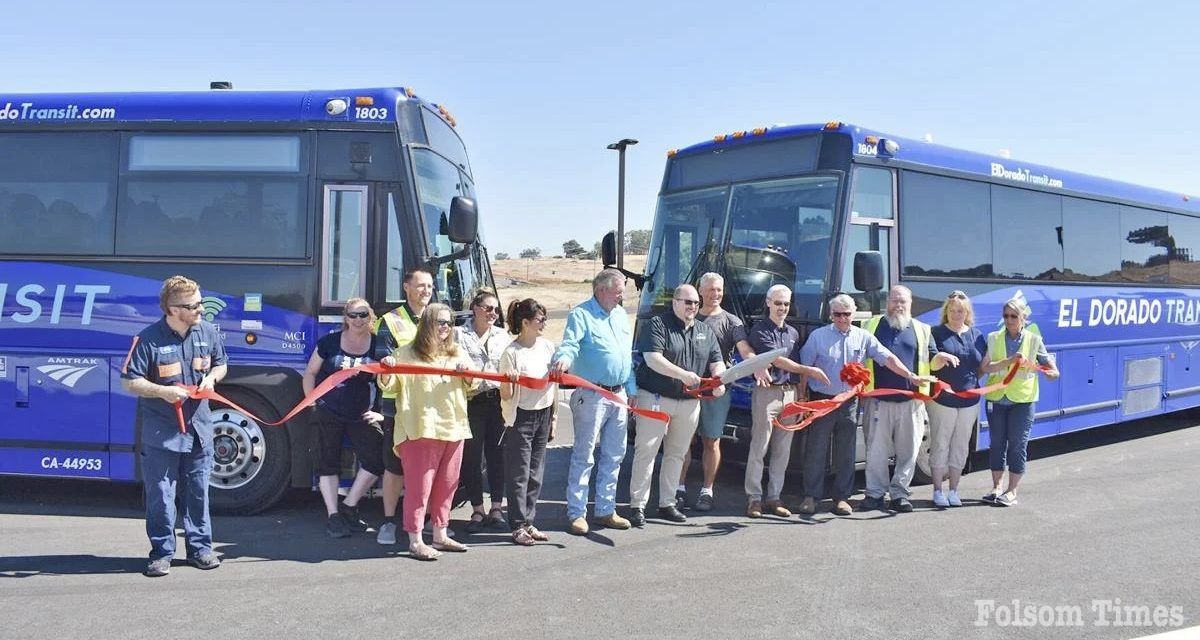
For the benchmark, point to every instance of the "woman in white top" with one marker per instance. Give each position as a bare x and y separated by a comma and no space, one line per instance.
531,414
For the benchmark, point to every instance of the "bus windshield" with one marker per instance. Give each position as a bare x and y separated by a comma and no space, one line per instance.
438,182
756,234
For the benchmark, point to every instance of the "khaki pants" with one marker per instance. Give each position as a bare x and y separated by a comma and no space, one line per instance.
766,403
674,441
896,429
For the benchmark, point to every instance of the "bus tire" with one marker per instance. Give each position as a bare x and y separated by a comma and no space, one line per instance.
250,461
922,474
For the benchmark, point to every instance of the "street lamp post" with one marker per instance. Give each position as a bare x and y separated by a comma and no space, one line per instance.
619,146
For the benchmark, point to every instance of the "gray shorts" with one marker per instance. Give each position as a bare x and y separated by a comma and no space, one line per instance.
712,416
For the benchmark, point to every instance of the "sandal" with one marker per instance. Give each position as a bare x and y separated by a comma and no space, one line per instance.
496,519
477,523
522,537
423,553
536,534
451,545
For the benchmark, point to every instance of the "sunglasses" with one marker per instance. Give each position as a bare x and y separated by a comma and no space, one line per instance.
358,314
688,303
1010,316
957,294
192,306
841,314
781,303
443,323
540,320
486,308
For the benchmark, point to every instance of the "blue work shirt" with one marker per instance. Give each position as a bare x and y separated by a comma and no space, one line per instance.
598,345
766,336
971,349
903,344
829,350
164,357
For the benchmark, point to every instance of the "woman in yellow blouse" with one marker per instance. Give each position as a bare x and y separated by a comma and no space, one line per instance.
431,425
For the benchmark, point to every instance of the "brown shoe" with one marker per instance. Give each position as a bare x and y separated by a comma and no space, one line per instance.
776,508
809,506
755,509
613,521
579,526
842,508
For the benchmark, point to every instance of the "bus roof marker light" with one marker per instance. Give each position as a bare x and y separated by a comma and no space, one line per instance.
364,101
671,154
739,134
758,131
336,107
833,125
720,137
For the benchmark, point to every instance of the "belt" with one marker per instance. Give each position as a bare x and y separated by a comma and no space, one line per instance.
485,395
613,388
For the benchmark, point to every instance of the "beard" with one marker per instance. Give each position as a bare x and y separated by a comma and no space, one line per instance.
899,320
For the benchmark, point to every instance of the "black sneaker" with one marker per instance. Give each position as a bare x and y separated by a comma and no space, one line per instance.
336,526
672,514
870,504
704,502
901,505
681,500
205,560
350,515
637,517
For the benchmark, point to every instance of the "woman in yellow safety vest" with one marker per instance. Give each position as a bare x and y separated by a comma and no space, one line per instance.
1010,409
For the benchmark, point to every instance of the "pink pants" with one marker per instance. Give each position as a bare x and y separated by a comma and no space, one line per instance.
431,470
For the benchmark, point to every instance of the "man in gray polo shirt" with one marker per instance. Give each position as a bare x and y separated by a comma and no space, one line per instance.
677,351
829,349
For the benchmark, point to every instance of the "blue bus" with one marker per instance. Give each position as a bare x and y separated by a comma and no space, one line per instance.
282,205
1106,267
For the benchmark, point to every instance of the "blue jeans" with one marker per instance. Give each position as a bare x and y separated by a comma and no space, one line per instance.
596,421
161,472
1008,426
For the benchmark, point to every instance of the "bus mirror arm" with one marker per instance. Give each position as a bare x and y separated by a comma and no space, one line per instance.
638,279
434,261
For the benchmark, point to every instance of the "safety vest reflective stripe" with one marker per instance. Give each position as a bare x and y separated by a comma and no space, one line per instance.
1024,386
403,329
923,338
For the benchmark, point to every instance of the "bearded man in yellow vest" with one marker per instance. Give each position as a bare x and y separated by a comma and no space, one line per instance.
1010,410
395,329
894,425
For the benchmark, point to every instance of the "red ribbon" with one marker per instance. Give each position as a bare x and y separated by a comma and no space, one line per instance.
337,377
857,376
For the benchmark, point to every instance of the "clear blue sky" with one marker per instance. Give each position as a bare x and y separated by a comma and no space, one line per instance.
539,88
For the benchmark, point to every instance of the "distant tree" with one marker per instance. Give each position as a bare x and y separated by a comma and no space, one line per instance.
589,255
637,242
531,253
572,249
501,256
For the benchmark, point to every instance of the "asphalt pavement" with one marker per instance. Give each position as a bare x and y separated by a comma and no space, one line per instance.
1105,531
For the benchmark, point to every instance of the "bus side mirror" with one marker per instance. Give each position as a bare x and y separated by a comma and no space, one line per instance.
868,271
464,221
608,249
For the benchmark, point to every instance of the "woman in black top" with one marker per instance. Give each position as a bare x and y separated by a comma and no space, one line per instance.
347,410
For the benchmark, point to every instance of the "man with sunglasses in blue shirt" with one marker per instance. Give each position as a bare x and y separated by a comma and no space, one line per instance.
180,349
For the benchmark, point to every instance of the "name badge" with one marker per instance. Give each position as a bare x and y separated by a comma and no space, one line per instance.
201,363
170,369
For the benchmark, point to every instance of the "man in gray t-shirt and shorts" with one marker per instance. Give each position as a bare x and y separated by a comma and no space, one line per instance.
731,334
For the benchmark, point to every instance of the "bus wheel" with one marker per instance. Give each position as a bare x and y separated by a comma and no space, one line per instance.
250,461
922,474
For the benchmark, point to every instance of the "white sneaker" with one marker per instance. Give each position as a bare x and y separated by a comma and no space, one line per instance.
387,533
939,499
953,499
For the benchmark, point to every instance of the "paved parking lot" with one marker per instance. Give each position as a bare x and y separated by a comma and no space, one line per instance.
1103,517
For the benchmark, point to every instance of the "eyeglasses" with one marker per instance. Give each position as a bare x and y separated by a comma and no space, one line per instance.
841,314
443,323
1010,316
540,320
487,308
192,306
686,302
957,294
781,303
358,314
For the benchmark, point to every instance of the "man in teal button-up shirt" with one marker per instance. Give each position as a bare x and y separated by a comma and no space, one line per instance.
598,347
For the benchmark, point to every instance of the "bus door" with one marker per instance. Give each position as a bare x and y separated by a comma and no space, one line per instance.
871,223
